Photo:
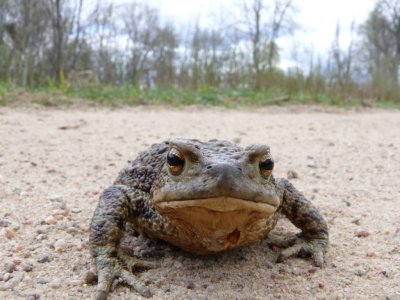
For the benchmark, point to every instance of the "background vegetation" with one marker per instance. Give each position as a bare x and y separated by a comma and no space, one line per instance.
127,54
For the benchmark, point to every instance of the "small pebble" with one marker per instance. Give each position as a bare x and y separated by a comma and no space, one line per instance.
236,140
240,286
178,264
9,267
9,233
26,267
84,228
42,229
64,212
348,203
297,271
23,194
59,217
75,282
4,223
311,163
60,245
89,277
42,280
72,230
291,174
277,276
41,237
321,285
384,273
29,222
360,271
362,233
55,283
44,258
313,270
189,284
371,254
7,276
54,198
33,295
51,220
19,248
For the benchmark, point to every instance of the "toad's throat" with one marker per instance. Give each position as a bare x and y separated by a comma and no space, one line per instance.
215,224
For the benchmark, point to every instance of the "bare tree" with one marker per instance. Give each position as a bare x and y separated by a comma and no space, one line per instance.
106,55
23,38
380,49
282,23
140,24
341,61
58,37
163,56
262,23
65,18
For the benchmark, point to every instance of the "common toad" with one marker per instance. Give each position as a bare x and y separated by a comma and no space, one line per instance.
203,197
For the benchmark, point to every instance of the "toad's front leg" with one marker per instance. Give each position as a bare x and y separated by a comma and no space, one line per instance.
114,209
314,237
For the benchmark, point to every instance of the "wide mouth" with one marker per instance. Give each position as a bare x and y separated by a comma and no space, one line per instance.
215,224
218,204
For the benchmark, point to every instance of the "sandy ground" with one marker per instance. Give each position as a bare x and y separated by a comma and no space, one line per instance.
54,164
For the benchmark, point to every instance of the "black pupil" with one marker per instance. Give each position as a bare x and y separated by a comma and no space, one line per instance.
267,164
174,160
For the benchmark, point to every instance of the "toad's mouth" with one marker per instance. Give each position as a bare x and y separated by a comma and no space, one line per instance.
215,224
218,205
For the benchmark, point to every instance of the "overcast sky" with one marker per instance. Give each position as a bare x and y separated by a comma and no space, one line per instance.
317,20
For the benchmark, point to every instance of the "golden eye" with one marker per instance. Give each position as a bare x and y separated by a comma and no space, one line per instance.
176,161
266,165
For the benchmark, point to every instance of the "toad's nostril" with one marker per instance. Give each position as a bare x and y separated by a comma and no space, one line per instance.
240,169
209,167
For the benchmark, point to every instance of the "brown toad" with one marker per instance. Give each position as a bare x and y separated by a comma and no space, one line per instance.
203,197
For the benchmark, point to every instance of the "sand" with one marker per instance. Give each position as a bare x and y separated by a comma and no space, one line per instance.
54,164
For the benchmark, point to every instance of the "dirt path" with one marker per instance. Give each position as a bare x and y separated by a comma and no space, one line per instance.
53,164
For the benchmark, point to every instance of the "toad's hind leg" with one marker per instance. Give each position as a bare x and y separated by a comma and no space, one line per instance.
106,230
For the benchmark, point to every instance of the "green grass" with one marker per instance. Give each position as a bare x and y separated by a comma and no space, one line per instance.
127,95
4,88
388,105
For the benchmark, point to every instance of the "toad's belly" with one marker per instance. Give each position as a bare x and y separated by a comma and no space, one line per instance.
214,225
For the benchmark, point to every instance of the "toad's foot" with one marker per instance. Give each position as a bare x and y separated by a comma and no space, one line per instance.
111,268
300,246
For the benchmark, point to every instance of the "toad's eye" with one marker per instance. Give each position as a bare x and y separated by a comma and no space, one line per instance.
266,165
176,161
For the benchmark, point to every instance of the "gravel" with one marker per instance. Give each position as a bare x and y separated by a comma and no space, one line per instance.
12,283
48,205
